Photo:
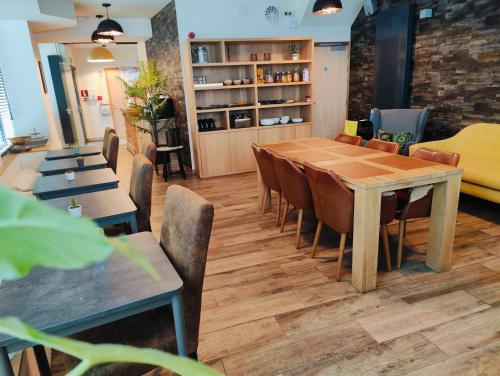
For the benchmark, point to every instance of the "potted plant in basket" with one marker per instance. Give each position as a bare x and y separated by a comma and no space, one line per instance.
294,51
75,210
148,94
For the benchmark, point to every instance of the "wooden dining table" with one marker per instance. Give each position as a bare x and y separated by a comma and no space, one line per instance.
81,151
369,173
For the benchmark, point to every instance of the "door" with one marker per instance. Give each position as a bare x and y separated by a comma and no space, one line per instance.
242,157
78,103
331,86
117,100
215,155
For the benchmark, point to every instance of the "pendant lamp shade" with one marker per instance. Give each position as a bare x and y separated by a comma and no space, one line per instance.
109,26
323,7
99,38
100,55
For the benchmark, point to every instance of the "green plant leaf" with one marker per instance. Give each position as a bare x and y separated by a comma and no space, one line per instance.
33,233
92,355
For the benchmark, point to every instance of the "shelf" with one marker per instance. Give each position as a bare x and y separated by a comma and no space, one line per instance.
283,125
228,87
285,84
227,64
294,104
271,62
260,62
222,109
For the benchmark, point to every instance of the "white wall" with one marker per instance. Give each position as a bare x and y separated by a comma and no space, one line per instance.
91,77
19,66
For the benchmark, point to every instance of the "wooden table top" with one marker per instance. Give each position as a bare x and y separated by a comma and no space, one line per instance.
58,183
67,301
63,165
99,205
361,167
73,152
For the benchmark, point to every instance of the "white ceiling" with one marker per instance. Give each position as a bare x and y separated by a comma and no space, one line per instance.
120,8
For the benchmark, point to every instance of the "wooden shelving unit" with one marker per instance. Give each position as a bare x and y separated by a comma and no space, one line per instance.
227,150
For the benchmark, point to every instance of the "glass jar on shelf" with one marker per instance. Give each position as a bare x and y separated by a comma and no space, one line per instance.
289,76
306,74
283,77
269,76
260,76
296,75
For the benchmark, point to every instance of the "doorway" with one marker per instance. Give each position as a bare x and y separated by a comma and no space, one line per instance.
117,99
331,88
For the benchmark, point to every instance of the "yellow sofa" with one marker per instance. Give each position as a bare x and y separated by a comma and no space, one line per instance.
479,148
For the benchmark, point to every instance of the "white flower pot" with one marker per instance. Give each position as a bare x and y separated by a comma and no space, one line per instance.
295,57
70,175
75,212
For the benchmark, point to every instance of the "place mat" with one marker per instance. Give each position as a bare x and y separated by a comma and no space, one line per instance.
320,142
402,163
311,156
352,151
356,170
286,146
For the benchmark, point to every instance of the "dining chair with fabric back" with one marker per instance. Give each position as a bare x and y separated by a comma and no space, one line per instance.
150,153
347,139
268,175
107,132
417,202
185,235
112,151
295,189
388,147
334,207
141,185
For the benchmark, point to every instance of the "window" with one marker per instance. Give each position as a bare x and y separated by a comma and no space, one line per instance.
5,117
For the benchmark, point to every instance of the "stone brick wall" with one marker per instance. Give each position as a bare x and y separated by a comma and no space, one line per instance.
163,47
455,64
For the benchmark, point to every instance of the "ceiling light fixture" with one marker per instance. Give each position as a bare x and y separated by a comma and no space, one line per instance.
324,7
100,38
100,55
109,26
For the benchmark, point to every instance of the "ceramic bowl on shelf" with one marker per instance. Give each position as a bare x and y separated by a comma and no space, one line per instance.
267,122
246,81
297,120
228,82
276,120
236,82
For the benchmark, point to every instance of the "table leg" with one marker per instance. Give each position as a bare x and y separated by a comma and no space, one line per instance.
133,224
42,361
179,324
442,224
366,238
5,366
263,193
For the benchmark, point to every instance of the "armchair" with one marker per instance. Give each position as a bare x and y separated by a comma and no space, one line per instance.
412,120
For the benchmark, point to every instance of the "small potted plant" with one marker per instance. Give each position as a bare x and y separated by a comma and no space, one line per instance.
70,175
75,210
294,51
80,161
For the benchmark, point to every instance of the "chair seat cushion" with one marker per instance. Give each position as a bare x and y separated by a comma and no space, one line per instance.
25,181
481,172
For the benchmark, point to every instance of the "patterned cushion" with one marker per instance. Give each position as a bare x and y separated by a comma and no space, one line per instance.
402,138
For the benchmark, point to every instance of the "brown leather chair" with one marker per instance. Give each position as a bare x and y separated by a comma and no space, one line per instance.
388,147
187,251
150,153
112,151
422,207
347,139
295,189
268,175
107,132
334,206
141,184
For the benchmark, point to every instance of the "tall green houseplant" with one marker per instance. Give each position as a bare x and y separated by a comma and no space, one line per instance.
149,95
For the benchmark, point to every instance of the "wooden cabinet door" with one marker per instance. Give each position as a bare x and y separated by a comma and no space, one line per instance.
242,157
288,132
304,131
215,156
270,135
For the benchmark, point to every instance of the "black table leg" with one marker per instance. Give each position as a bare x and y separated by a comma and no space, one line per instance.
181,164
165,164
42,361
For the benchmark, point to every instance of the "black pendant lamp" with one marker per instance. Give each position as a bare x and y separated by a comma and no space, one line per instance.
323,7
109,26
100,38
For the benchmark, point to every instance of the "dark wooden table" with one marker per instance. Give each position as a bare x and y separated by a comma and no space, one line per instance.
81,151
54,186
65,302
60,166
109,207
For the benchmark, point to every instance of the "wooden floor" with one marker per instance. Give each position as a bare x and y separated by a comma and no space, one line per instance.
269,309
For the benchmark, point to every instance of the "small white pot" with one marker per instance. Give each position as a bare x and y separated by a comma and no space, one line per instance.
75,212
70,175
295,57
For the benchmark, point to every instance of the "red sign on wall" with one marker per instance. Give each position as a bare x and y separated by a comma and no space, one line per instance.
84,93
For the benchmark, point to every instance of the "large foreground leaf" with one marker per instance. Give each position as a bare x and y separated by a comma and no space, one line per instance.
92,355
33,233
